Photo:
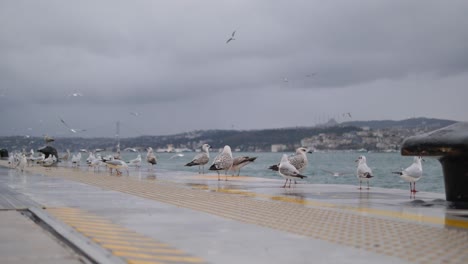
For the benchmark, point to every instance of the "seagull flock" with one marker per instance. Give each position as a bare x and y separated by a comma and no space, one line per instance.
290,167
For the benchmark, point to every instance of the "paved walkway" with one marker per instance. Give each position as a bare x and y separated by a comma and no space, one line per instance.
22,241
191,219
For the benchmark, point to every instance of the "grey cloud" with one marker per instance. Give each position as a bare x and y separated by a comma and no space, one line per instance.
149,53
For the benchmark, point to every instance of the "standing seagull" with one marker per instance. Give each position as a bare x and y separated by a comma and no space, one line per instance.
412,174
231,38
150,157
223,161
136,162
363,172
117,165
288,171
201,159
239,162
298,160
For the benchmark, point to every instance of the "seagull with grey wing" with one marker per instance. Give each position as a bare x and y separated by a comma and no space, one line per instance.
201,159
118,165
136,161
288,171
363,172
73,130
223,161
337,173
412,174
231,38
239,162
150,157
298,160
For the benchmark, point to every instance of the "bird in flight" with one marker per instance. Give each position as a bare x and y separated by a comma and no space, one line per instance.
73,130
77,94
232,37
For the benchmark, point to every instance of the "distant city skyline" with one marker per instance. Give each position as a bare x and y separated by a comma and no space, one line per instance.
160,68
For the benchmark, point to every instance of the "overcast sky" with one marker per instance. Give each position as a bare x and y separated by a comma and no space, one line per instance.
292,63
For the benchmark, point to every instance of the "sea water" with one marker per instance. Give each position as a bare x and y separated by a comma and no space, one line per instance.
382,165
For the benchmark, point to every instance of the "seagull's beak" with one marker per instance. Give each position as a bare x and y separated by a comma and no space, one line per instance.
356,160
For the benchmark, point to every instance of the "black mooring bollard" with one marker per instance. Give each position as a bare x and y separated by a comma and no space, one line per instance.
48,150
450,146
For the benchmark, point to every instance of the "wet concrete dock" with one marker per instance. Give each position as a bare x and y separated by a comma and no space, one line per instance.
173,217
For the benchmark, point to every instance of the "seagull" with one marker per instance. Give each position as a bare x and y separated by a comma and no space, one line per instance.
201,159
337,173
76,159
22,162
131,149
134,113
240,162
150,157
347,114
117,165
95,162
75,94
49,161
223,161
73,130
48,139
66,156
232,37
412,174
178,155
136,162
363,172
38,159
298,160
288,171
311,74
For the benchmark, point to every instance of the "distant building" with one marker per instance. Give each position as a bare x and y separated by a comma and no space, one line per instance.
278,147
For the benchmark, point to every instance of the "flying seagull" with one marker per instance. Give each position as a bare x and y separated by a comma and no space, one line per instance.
73,130
75,95
232,37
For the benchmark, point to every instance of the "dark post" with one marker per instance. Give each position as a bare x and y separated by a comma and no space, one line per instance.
450,146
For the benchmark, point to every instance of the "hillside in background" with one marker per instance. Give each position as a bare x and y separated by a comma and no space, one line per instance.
406,123
253,140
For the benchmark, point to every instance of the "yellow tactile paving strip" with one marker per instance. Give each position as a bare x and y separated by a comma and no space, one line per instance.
409,240
124,243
